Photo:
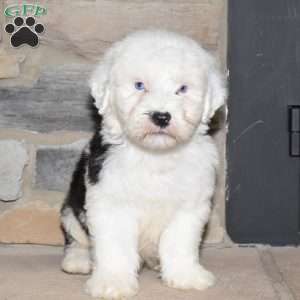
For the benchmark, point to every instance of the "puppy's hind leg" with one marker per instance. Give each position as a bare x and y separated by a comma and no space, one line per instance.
76,259
76,253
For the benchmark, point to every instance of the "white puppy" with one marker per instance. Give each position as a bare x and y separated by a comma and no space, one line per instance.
141,191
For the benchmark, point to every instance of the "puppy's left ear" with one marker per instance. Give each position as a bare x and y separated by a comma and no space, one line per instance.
216,94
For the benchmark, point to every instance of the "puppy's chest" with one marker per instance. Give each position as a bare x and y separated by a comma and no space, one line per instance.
151,180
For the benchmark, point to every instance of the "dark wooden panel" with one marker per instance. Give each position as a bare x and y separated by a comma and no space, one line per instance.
263,180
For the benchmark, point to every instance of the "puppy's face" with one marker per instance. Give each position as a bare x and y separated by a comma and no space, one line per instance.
158,96
159,89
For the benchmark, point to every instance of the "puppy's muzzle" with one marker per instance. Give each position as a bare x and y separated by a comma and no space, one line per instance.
160,119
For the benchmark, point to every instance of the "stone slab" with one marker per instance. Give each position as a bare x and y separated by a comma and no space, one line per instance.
288,261
13,158
59,100
9,65
27,272
55,165
108,21
35,223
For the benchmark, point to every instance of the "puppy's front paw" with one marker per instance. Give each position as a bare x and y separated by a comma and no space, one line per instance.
195,277
111,287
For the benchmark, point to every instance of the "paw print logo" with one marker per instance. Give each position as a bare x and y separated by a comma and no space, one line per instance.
24,32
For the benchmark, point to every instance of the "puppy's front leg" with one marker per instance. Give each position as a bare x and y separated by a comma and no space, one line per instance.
116,261
179,252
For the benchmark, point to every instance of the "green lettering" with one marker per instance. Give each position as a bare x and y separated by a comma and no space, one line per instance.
11,11
40,11
27,8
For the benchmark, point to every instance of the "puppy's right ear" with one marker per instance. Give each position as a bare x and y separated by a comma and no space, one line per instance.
100,83
216,93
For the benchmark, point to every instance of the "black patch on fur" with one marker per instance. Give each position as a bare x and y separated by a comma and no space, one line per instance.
97,148
91,164
76,195
217,122
97,156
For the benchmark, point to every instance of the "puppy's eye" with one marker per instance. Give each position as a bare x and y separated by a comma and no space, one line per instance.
182,90
139,85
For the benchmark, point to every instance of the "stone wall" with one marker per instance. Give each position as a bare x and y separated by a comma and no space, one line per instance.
45,112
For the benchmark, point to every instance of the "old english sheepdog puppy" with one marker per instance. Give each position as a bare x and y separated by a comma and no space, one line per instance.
141,192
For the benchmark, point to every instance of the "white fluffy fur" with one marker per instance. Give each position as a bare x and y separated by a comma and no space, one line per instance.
153,197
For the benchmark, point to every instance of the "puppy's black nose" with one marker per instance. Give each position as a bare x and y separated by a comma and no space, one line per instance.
161,119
